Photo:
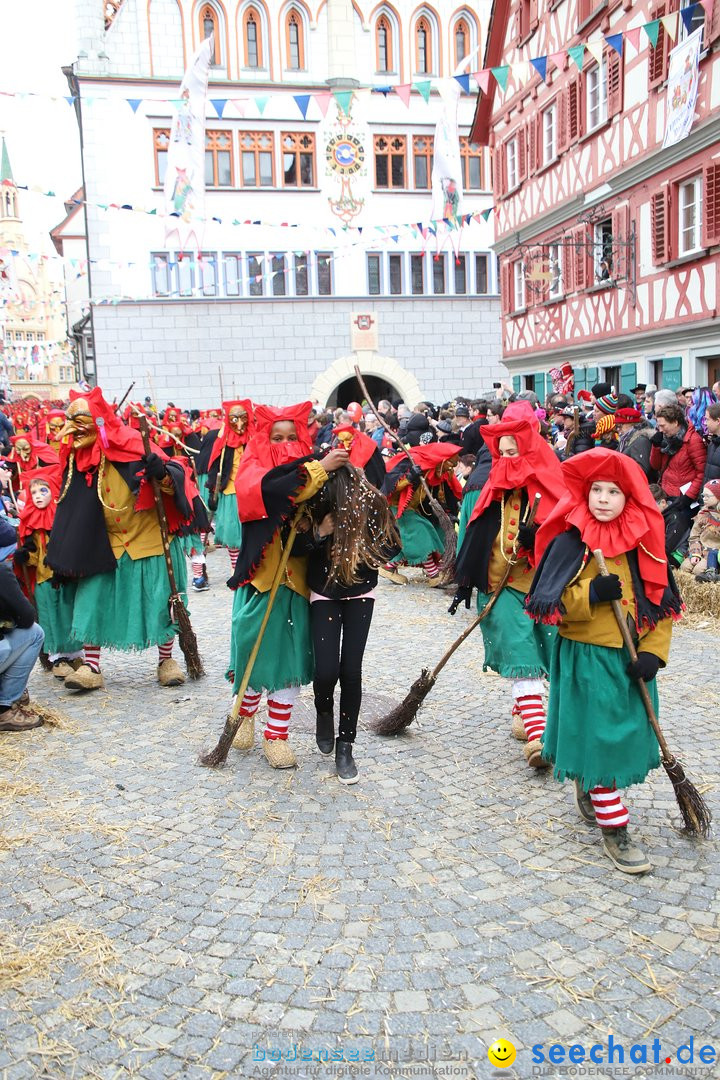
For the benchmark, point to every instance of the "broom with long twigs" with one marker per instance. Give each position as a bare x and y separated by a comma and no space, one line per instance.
695,813
232,725
404,713
447,562
178,611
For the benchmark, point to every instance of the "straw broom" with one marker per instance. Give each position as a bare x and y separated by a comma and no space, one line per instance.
232,725
178,611
695,813
450,536
404,713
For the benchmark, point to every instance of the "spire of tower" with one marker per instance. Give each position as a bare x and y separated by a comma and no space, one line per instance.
5,169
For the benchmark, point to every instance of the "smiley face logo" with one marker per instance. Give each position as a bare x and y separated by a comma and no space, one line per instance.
501,1054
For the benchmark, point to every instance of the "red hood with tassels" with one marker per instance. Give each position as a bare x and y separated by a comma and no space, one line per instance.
361,447
226,435
261,455
33,517
430,457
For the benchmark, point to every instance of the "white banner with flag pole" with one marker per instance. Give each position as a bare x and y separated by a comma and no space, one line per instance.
184,186
682,87
447,181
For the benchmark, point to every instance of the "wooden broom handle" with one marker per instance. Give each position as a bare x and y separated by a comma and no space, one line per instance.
159,509
529,520
630,646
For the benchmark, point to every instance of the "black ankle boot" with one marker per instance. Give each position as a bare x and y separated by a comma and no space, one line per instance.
325,733
347,770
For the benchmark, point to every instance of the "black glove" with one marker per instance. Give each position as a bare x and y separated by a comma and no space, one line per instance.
603,589
154,467
657,439
415,475
645,667
22,555
526,536
213,501
462,596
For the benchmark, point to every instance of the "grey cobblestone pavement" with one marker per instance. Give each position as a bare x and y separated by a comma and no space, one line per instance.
162,920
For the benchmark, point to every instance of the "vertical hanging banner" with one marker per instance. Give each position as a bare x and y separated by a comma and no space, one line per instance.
447,186
682,88
184,187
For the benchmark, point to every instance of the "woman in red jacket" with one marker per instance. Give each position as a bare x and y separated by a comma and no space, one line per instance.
678,454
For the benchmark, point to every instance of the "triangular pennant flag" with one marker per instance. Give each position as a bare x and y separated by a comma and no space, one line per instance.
687,14
344,100
708,5
464,81
670,22
652,29
134,103
501,76
218,105
302,101
596,50
69,100
482,78
540,65
521,72
558,59
323,100
403,92
577,55
261,102
632,37
239,105
423,88
615,41
486,213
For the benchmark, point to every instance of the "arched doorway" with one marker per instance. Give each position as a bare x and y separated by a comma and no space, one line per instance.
349,390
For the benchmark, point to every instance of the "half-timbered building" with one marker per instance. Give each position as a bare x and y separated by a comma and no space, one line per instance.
608,242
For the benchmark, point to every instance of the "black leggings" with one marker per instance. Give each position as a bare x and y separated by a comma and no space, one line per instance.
329,619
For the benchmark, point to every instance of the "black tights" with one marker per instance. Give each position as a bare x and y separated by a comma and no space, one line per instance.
329,619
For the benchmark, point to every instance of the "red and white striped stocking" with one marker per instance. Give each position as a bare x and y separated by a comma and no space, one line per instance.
431,566
233,553
250,702
197,565
610,812
91,656
280,705
528,698
165,651
203,538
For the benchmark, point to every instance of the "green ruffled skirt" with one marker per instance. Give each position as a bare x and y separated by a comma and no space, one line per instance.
128,609
466,508
202,485
228,530
286,653
515,646
419,538
597,728
55,611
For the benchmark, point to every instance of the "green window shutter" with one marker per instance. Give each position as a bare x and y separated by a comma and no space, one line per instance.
628,378
580,380
591,377
540,386
672,373
517,384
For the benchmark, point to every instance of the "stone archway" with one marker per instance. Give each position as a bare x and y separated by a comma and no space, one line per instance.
369,363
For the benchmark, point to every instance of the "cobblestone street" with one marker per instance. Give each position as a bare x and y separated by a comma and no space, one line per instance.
163,920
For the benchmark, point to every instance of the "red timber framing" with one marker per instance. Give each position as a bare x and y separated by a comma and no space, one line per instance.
617,236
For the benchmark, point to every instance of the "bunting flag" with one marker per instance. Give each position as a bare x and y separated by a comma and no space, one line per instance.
615,41
596,50
302,101
184,187
577,55
423,88
501,76
670,25
218,105
688,14
482,78
261,102
559,59
344,100
652,29
464,81
540,65
323,100
403,92
633,37
134,103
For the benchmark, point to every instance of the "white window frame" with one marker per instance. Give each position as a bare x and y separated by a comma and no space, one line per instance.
688,244
511,150
549,131
596,96
555,266
518,285
599,251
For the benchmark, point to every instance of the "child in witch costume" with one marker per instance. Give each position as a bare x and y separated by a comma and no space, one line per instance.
106,546
29,453
421,537
364,452
41,488
608,506
523,466
277,472
225,457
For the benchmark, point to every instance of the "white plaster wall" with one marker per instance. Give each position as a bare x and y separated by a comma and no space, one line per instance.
166,30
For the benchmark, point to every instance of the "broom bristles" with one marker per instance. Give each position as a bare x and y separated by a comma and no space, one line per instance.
403,714
218,756
187,639
696,815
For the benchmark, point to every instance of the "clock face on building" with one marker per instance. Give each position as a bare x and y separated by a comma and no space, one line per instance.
345,154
